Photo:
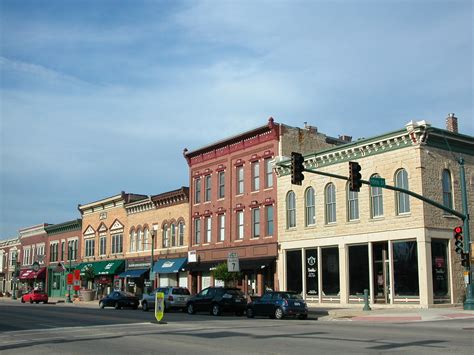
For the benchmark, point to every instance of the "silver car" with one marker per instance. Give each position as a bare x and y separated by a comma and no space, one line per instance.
175,298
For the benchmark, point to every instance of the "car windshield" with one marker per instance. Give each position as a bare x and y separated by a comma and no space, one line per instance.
234,292
37,291
126,294
292,296
180,291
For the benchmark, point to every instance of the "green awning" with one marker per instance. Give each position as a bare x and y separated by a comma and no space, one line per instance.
108,267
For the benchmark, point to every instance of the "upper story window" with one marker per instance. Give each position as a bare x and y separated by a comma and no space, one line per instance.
102,245
447,190
310,209
240,224
72,249
197,231
90,247
117,243
181,233
221,219
330,201
352,204
132,240
255,176
290,210
376,200
40,251
146,239
140,241
166,236
255,222
208,226
240,179
207,195
269,220
197,190
221,188
173,234
403,201
54,252
268,173
26,256
13,257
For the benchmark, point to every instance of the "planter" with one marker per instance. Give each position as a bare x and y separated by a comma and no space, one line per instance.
88,295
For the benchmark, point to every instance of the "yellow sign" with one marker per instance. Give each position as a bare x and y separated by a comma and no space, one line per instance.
159,306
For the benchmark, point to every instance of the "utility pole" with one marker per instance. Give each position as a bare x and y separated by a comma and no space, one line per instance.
69,256
15,266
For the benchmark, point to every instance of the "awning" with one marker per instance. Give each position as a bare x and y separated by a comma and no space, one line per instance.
245,264
28,274
109,267
169,266
133,273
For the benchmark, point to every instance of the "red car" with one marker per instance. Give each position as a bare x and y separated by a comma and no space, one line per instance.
35,296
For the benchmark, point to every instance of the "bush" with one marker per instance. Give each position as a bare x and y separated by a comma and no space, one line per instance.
229,278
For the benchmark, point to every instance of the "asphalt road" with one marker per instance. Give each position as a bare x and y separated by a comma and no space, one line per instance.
52,329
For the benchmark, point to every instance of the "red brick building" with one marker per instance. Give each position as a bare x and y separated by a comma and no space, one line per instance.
233,202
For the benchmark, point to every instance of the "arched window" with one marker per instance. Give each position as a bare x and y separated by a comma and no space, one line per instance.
290,210
376,200
132,240
140,241
330,196
310,210
403,202
166,240
173,235
181,233
352,204
146,240
447,189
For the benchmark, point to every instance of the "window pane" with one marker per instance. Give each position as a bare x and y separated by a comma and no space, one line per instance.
197,190
255,223
240,180
291,210
312,272
269,211
197,231
255,176
240,225
330,271
268,173
447,189
221,184
310,212
208,223
358,269
353,204
403,202
294,279
330,203
221,227
208,188
405,268
439,260
376,200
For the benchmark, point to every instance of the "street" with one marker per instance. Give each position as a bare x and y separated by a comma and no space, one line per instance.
76,330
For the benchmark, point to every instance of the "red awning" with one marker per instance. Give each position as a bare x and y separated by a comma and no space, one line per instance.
30,274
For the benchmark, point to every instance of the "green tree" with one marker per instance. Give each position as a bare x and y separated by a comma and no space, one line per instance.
229,278
89,275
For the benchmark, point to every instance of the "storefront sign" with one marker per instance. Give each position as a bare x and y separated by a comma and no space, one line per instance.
131,284
159,306
233,264
192,257
138,265
312,272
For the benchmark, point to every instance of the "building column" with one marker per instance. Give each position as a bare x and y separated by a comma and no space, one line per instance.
199,282
343,275
260,286
425,275
371,275
320,275
303,272
212,280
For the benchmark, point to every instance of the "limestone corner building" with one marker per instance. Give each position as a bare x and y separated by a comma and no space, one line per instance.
335,243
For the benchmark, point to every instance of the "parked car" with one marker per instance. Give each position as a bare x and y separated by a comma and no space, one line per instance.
35,296
175,297
278,305
119,299
217,300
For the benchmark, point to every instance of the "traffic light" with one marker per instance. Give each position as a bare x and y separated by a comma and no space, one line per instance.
458,244
297,168
465,259
354,176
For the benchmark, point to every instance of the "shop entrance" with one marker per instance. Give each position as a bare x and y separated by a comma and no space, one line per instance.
381,269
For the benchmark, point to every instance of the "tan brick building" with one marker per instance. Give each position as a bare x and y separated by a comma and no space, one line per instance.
335,243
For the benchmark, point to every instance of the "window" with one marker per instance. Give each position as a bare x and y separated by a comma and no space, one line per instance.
26,256
240,224
330,195
90,247
405,269
208,225
117,243
72,249
376,200
310,210
132,241
359,269
140,241
269,220
221,189
240,180
208,188
290,210
146,238
255,222
330,271
197,190
197,231
53,252
173,235
352,205
181,233
403,202
268,173
63,246
221,227
102,245
447,190
166,237
255,176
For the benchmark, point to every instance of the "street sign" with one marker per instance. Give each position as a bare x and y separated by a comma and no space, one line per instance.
68,287
377,182
233,262
35,267
159,306
70,278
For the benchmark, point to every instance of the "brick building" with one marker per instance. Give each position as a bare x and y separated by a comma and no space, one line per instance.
9,254
335,243
233,202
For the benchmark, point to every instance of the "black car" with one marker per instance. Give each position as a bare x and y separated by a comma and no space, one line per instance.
119,299
217,300
278,305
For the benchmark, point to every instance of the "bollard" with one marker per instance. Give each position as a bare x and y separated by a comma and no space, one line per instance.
366,301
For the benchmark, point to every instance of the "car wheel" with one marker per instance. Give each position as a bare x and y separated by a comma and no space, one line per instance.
216,310
191,309
278,313
31,301
303,316
22,300
135,307
250,313
101,305
37,302
117,305
145,306
45,302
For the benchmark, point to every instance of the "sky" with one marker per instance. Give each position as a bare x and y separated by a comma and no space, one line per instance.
99,97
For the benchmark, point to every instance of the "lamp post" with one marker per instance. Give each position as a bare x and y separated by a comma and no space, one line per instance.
152,280
69,254
14,276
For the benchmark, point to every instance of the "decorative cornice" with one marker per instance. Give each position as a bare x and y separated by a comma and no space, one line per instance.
64,227
34,230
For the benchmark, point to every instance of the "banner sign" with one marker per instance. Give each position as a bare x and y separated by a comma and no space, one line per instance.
311,272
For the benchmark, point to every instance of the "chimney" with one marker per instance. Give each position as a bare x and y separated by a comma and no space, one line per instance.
345,138
452,123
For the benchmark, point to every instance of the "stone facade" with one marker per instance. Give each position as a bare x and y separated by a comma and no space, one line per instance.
7,248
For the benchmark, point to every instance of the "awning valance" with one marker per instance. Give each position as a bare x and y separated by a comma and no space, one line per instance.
28,274
109,267
169,266
133,273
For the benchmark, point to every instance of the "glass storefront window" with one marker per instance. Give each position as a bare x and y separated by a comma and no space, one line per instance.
294,277
405,269
311,269
358,269
439,260
330,271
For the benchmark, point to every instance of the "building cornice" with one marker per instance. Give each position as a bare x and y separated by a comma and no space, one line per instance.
109,202
33,230
64,227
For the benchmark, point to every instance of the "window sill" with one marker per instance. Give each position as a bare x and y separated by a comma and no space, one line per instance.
239,240
449,216
375,219
310,226
255,238
268,188
353,221
268,237
332,224
403,215
291,229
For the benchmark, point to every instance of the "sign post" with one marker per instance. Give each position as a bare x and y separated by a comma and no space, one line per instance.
233,262
159,306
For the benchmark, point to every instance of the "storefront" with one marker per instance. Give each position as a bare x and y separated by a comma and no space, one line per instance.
30,279
135,278
103,274
57,275
171,272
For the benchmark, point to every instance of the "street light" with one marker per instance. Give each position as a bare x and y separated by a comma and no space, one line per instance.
14,276
153,235
69,254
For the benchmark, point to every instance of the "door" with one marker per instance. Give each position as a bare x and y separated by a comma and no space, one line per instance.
381,269
265,306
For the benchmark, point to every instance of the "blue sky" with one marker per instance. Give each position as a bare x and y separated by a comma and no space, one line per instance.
99,97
